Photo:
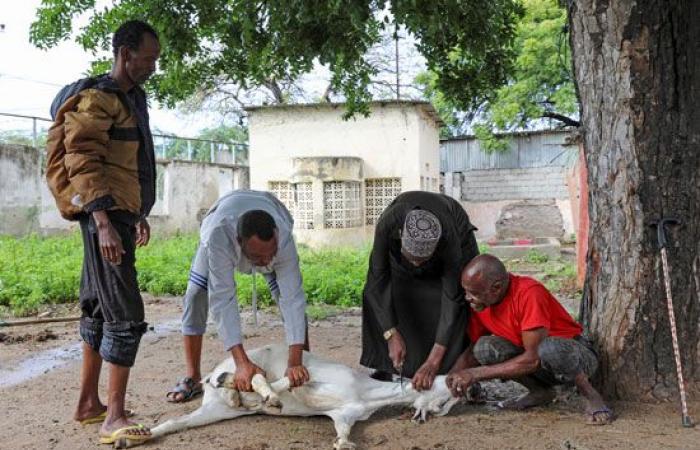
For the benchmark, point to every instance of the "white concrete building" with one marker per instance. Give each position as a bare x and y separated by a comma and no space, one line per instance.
336,176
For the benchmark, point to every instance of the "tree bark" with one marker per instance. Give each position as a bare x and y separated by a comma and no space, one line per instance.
637,69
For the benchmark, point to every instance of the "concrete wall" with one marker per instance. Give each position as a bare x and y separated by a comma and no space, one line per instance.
429,159
489,194
186,190
20,189
510,184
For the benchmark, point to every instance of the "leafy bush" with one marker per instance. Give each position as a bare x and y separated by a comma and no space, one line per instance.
484,248
536,257
39,270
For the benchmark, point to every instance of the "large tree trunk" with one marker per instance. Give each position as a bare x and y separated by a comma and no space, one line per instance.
637,68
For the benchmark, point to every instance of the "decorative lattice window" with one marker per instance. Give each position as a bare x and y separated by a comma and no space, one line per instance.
298,200
379,193
303,211
341,204
283,191
434,186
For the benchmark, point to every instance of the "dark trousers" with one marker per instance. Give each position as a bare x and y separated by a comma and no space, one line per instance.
112,321
561,359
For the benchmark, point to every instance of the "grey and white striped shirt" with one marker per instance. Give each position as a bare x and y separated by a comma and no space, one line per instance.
218,238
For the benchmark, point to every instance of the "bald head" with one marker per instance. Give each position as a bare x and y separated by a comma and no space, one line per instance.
485,281
485,267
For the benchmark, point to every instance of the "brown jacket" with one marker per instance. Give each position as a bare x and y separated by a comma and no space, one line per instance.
100,151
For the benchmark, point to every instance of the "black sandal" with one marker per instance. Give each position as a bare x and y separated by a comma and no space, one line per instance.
188,388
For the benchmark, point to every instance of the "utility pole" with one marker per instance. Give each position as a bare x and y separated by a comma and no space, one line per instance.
396,41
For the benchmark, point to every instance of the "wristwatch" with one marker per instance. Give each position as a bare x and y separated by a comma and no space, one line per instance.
389,333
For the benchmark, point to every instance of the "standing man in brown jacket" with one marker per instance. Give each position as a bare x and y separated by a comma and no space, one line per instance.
101,171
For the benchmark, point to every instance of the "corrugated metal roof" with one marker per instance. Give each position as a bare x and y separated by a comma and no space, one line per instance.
531,149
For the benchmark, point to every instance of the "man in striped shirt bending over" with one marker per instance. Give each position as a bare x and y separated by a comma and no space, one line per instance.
246,231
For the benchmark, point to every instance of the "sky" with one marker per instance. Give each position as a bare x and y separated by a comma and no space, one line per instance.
30,77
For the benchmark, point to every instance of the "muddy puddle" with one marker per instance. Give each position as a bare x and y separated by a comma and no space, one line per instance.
44,361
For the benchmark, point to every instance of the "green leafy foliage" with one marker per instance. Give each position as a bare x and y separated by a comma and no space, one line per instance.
468,45
484,248
36,271
540,81
39,270
536,257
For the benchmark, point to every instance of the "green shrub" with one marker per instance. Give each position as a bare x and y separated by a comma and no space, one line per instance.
36,271
483,248
536,257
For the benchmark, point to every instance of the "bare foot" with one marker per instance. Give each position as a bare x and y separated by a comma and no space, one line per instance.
597,412
535,397
88,410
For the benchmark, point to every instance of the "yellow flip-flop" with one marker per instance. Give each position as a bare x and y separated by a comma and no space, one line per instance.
101,417
122,439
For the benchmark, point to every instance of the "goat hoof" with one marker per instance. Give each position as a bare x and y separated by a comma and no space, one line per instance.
121,443
420,417
343,445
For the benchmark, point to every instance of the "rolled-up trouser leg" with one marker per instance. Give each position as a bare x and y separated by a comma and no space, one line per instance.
121,342
195,303
119,305
565,358
91,332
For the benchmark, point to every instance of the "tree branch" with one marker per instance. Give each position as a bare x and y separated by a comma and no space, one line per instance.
564,119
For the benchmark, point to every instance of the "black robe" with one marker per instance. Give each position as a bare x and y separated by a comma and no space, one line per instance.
426,304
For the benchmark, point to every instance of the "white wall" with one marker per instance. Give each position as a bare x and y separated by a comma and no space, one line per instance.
20,189
186,190
388,140
429,159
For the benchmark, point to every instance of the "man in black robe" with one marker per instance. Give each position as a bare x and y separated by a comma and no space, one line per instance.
413,314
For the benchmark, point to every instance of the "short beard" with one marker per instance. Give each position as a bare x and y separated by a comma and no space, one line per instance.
477,308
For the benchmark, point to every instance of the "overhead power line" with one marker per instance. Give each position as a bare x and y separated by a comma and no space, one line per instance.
8,76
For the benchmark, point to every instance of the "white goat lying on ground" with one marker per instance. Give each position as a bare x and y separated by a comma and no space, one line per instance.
335,390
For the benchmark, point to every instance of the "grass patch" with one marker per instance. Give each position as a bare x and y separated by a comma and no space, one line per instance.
321,312
558,275
483,248
36,271
536,257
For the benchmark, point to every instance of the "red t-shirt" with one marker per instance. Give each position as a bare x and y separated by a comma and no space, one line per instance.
526,306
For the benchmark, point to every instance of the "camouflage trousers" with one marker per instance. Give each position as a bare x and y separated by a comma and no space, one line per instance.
561,359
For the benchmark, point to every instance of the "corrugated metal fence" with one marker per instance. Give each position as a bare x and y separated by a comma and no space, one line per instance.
527,150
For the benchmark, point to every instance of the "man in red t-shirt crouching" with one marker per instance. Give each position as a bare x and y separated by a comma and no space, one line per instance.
519,331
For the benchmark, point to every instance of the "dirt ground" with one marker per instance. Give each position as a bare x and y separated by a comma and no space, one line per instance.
39,369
